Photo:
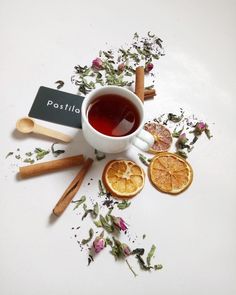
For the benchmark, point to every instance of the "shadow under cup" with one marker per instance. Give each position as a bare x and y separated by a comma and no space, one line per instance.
111,118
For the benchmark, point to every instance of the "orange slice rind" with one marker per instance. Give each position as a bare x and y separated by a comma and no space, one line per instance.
123,178
170,173
162,136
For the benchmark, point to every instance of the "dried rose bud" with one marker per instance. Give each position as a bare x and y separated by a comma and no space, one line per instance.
121,67
126,249
99,243
201,126
97,64
182,138
149,66
119,222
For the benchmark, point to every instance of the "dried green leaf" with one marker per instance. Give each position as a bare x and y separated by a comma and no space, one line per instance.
158,266
102,190
9,154
97,223
174,118
29,160
176,134
85,241
60,84
139,251
56,153
151,254
79,202
123,205
108,227
29,154
17,157
99,155
90,259
144,159
40,153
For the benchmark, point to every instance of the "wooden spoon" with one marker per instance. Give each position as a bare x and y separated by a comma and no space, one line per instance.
28,125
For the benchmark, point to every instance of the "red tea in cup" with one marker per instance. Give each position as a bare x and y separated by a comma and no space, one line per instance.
113,115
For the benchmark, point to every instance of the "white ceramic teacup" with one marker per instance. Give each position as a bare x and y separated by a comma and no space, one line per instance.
109,144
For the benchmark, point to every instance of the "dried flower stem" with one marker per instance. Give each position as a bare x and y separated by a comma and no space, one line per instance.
134,273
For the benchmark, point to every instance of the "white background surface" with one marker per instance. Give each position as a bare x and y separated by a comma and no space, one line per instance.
41,42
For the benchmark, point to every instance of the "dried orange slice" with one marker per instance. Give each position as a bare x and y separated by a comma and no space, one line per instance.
162,136
170,173
123,178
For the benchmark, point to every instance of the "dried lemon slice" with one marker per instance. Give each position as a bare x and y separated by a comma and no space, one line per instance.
162,136
170,173
123,178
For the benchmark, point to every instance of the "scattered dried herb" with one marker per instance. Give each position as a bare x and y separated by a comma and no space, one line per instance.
144,159
29,154
102,190
93,212
123,205
174,118
90,259
99,155
185,129
151,254
60,84
40,153
107,226
29,160
56,153
79,202
9,154
18,157
117,67
85,241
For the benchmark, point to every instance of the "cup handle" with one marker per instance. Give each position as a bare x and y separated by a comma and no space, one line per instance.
143,141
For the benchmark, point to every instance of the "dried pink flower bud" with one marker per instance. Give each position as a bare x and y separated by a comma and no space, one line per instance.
182,138
119,222
126,249
201,126
148,67
99,243
97,64
121,67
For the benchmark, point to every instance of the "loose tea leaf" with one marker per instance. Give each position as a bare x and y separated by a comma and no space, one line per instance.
40,153
56,153
102,190
151,254
93,212
9,154
123,205
174,118
90,259
60,84
158,266
108,227
29,160
85,241
99,155
79,202
144,159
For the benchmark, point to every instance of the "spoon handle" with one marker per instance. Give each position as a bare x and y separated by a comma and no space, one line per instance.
51,133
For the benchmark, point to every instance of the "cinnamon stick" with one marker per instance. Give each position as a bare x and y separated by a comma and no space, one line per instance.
72,189
139,82
149,93
50,166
